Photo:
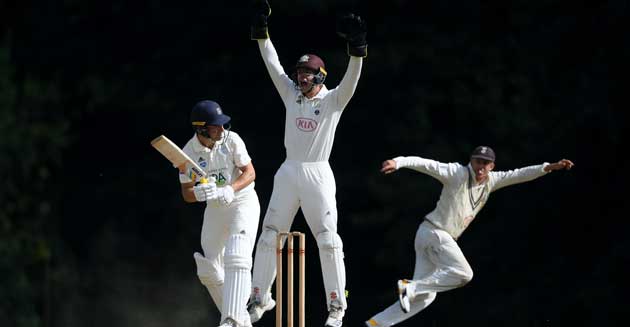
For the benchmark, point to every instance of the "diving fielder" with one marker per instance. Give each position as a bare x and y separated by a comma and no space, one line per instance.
305,179
440,264
230,220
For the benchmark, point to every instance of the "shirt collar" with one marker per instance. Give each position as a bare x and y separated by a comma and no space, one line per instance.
320,95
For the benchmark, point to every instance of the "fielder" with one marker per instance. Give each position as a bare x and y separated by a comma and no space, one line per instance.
230,220
305,179
440,264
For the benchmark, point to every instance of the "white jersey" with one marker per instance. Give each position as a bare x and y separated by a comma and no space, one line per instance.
310,124
222,161
462,197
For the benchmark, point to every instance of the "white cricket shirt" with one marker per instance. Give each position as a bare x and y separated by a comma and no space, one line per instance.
310,124
462,198
223,160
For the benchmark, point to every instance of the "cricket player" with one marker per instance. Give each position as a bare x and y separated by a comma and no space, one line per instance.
440,264
305,179
230,220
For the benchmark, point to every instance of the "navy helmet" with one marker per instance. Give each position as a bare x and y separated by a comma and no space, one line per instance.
206,113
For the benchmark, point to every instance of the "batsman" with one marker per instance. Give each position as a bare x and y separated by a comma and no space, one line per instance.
231,216
305,179
440,263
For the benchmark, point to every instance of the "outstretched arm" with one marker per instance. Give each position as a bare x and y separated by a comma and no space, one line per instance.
438,170
505,178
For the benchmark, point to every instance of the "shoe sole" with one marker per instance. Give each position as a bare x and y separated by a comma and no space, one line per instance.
401,294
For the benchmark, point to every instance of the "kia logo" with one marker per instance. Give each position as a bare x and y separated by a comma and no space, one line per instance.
305,124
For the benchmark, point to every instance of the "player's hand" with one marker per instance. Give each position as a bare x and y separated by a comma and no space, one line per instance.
562,164
354,30
260,14
225,195
205,192
388,166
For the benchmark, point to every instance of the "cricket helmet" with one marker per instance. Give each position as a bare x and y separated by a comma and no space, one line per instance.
315,64
206,113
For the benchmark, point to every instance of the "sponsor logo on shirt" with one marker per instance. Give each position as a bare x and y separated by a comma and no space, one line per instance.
306,124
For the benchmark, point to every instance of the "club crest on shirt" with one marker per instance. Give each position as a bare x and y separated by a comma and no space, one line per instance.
305,124
202,162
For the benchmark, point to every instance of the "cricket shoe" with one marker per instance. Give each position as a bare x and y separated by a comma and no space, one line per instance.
228,322
372,323
256,309
403,295
335,317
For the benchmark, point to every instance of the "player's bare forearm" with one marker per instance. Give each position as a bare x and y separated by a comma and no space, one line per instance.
187,192
562,164
247,177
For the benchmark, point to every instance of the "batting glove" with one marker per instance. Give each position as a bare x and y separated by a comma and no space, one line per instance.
354,30
260,14
205,192
225,195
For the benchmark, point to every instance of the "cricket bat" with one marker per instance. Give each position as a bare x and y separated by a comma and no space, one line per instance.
178,158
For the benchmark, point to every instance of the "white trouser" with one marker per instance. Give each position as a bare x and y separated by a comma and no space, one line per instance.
440,266
310,186
229,231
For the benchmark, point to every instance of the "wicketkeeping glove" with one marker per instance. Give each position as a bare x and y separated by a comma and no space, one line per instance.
225,195
354,30
205,192
260,14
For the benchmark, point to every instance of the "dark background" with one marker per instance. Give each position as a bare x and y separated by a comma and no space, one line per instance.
93,230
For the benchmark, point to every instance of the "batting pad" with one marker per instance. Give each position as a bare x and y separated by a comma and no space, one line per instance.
212,282
238,264
333,268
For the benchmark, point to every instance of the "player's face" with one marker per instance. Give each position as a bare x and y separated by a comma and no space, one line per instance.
215,132
481,167
305,79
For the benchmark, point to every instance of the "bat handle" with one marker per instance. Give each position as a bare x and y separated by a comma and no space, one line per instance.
210,179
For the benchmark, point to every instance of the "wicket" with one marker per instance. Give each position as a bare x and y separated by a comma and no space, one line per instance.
301,277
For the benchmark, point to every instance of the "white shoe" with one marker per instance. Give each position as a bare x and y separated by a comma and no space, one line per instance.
335,317
372,323
228,322
256,310
403,296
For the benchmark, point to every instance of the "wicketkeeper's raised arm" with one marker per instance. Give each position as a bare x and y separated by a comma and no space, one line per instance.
353,29
259,32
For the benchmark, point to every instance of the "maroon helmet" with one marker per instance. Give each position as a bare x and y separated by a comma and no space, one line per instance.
314,63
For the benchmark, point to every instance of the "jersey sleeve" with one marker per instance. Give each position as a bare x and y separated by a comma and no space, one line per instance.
444,172
280,79
343,93
240,155
502,179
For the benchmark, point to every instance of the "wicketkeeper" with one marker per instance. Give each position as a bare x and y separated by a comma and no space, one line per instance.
305,179
230,220
440,264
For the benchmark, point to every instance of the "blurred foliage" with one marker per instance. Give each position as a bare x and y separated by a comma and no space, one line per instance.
92,227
